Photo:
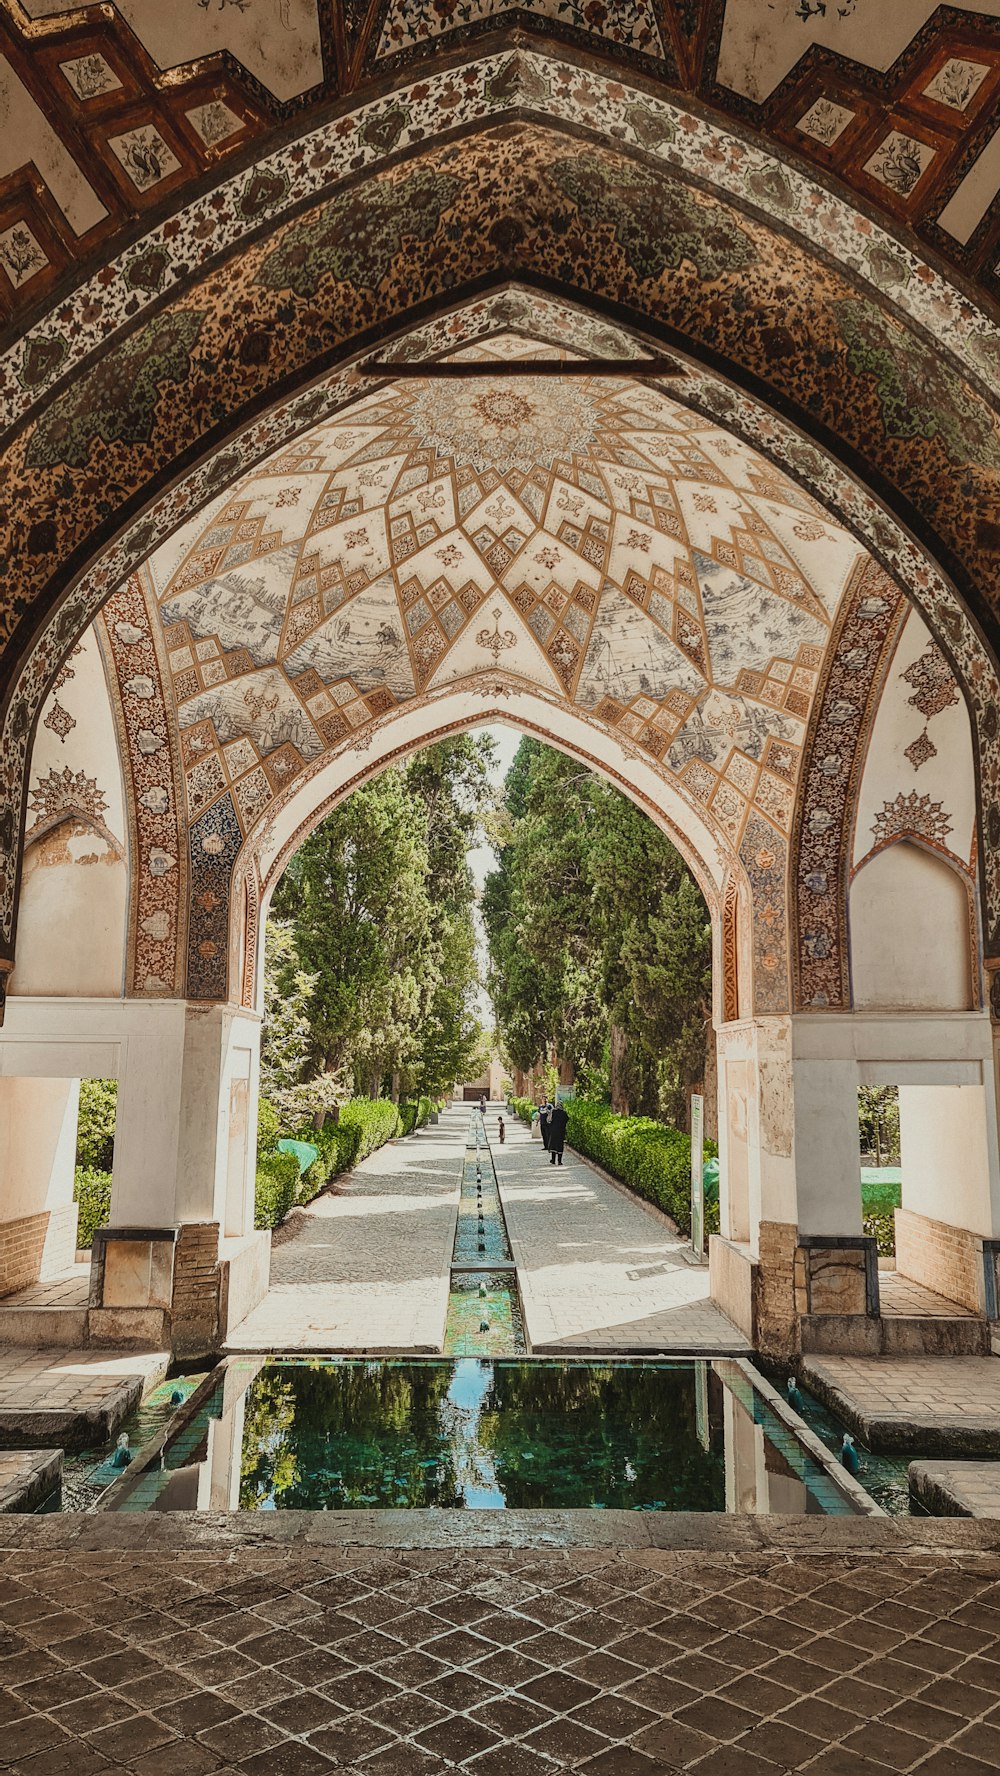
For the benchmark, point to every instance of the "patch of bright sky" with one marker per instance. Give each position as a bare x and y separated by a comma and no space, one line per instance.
481,856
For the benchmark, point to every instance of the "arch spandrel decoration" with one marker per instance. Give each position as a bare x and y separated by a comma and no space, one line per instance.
605,545
561,325
958,322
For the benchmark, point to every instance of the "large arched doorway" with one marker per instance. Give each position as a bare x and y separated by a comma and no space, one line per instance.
737,237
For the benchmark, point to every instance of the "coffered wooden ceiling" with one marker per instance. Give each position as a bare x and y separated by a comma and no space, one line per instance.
109,113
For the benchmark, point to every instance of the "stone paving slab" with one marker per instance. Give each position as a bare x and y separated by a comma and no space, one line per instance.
68,1288
957,1489
598,1269
366,1266
71,1399
926,1406
901,1296
28,1477
266,1659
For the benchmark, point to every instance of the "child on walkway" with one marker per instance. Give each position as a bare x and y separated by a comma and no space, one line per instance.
501,1130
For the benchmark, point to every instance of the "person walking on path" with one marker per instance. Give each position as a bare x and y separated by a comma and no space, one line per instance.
501,1130
544,1112
557,1133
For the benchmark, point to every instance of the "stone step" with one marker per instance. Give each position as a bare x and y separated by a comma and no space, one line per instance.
895,1335
903,1336
44,1326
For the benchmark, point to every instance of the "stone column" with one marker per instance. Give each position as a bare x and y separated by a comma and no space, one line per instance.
179,1260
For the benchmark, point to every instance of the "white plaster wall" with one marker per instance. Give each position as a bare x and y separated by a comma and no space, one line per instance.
174,1064
73,906
37,1145
945,1160
72,916
910,935
947,779
89,745
833,1055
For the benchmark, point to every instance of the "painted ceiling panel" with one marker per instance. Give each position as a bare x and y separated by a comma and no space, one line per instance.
116,110
585,535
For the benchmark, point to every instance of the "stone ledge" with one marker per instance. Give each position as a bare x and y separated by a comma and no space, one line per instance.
957,1489
71,1427
635,1533
28,1477
904,1428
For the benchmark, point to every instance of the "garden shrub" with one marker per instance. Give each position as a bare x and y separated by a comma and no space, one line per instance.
424,1108
652,1159
878,1200
268,1126
376,1119
95,1129
277,1187
92,1190
880,1226
407,1118
522,1107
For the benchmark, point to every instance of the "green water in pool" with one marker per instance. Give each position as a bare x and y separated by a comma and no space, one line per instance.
477,1433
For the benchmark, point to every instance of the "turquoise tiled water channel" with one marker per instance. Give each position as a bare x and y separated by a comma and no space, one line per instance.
483,1433
484,1311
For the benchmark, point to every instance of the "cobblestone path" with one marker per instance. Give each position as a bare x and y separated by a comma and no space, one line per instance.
366,1267
597,1269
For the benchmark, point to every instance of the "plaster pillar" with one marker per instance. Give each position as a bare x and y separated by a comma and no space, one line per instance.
751,1263
182,1208
179,1260
38,1216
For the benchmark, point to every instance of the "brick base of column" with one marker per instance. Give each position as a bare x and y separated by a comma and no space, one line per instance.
35,1247
195,1308
776,1319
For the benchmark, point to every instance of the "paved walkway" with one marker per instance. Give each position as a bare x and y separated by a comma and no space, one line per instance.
366,1267
169,1648
599,1270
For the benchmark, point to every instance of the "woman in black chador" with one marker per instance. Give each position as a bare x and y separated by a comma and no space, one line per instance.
557,1133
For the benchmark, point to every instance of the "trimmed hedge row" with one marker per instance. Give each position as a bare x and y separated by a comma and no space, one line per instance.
364,1124
652,1159
277,1187
92,1190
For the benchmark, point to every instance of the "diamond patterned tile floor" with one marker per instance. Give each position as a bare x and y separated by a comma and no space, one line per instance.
291,1660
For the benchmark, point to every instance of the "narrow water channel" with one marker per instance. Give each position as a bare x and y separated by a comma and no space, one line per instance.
484,1310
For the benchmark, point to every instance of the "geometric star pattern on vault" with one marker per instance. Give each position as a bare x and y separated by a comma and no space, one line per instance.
589,536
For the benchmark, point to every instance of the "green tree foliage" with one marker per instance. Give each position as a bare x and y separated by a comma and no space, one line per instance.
95,1129
373,971
878,1122
599,939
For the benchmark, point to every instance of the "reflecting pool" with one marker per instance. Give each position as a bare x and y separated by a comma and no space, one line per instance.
338,1434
